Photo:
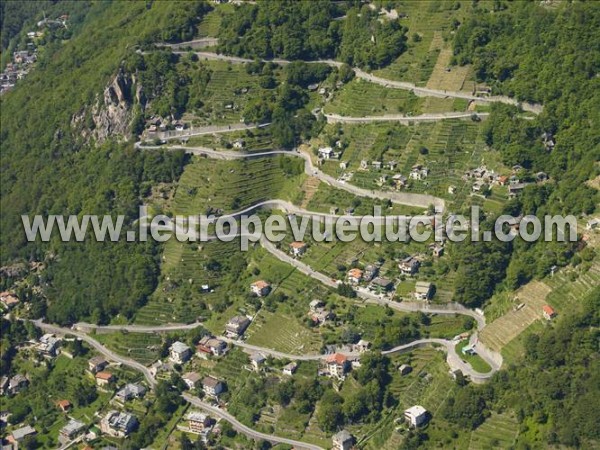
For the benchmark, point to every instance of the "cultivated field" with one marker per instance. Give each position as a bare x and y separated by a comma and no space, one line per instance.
502,330
498,431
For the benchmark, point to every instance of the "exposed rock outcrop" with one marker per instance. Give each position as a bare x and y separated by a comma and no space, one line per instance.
111,115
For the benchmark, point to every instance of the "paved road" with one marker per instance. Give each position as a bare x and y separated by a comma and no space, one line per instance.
419,91
402,118
196,43
203,131
400,198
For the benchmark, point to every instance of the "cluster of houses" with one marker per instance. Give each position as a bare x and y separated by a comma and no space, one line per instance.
22,60
408,266
13,385
484,178
157,124
18,68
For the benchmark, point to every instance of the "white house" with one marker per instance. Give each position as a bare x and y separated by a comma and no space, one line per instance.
343,440
179,352
416,416
118,424
290,368
325,152
212,387
190,379
260,288
423,290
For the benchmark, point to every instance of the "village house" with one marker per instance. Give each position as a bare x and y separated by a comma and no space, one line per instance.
418,172
515,189
130,391
209,345
104,378
502,180
337,365
392,164
381,285
451,190
260,288
48,345
198,422
416,416
399,181
409,265
548,312
404,369
541,176
118,424
325,152
212,387
236,326
96,364
321,316
290,368
18,435
478,186
316,305
343,440
344,165
376,165
423,290
70,431
64,405
190,379
592,224
9,300
257,360
17,383
297,248
159,367
437,250
371,272
239,144
179,352
362,346
355,276
364,164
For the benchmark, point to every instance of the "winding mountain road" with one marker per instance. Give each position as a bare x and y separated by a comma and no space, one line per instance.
404,85
400,198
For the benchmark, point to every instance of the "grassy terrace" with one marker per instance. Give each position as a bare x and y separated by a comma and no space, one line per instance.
477,363
142,347
256,140
498,431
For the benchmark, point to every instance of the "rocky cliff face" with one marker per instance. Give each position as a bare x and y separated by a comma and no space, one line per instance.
111,115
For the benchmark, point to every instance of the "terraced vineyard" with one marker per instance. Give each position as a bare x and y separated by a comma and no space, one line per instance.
234,185
283,333
361,98
227,93
501,331
498,431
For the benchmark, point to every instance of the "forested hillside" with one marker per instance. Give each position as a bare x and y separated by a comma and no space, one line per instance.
524,51
47,168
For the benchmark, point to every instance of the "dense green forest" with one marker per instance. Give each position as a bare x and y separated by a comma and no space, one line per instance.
525,52
47,168
308,30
